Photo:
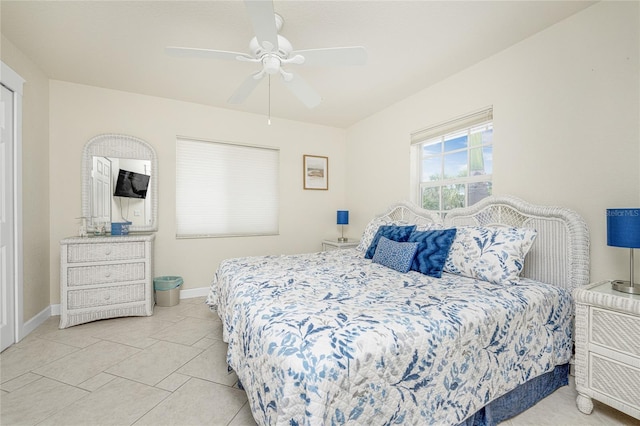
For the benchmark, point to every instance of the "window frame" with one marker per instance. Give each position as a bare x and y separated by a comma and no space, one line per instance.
440,133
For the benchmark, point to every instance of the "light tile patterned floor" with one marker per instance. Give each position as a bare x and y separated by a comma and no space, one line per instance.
167,369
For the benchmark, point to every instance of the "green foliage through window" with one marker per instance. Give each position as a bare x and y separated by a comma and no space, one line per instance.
455,168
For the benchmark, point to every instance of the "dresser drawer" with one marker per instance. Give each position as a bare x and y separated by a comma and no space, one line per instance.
105,277
105,251
614,330
89,298
103,274
616,380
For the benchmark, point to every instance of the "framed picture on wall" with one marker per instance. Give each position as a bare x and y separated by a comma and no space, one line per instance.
316,172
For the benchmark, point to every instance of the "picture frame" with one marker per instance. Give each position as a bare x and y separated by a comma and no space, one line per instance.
315,172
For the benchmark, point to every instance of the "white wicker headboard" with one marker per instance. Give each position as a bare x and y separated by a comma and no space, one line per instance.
560,253
410,213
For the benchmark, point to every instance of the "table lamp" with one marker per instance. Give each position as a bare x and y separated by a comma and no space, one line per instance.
343,219
623,230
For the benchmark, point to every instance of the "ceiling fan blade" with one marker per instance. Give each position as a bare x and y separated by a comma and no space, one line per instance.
246,88
301,89
263,20
333,56
205,53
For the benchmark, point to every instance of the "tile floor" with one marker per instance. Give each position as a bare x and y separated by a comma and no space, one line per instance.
167,369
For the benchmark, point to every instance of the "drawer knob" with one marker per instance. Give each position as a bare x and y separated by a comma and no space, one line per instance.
108,252
107,296
107,274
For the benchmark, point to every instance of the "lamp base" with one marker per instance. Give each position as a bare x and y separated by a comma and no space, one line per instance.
625,287
343,240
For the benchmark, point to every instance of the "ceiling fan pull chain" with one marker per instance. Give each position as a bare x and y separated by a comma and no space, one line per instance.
269,118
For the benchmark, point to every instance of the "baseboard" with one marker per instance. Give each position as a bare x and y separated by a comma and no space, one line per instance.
37,321
53,310
194,292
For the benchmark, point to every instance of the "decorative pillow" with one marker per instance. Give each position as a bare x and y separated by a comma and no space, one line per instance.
375,223
433,250
428,226
395,255
370,231
395,233
490,254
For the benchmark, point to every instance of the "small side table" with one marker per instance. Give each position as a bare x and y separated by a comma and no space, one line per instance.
336,245
607,348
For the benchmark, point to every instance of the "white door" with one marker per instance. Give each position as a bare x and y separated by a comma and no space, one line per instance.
7,270
101,188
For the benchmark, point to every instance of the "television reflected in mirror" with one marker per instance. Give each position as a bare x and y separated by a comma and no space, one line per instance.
120,190
131,184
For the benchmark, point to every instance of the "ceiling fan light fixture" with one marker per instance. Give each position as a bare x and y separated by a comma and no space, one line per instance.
271,64
296,59
286,76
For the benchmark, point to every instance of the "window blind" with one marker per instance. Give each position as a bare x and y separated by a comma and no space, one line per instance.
225,189
465,121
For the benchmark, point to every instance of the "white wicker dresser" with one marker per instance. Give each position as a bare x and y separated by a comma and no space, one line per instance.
105,277
607,348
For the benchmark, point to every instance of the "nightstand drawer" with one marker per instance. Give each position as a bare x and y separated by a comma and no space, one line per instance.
77,299
102,274
614,330
614,379
108,251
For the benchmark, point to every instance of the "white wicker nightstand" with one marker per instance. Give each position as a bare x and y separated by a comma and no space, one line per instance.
607,348
336,245
105,277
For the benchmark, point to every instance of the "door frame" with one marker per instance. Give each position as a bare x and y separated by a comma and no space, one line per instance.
14,82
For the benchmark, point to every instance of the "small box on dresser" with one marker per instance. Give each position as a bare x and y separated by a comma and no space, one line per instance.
607,361
105,277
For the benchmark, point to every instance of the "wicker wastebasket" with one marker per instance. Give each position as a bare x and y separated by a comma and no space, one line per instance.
167,290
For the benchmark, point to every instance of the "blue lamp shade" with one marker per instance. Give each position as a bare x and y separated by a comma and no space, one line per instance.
623,228
343,217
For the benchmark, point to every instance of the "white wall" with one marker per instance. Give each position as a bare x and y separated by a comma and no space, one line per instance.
35,175
566,125
79,113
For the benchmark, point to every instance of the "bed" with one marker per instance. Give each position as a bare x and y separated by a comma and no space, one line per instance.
338,338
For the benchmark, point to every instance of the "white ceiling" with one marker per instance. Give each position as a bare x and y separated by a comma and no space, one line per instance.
411,45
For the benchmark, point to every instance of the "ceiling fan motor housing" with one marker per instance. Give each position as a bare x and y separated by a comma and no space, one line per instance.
284,48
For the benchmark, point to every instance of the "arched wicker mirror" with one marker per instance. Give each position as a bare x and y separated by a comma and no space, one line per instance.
120,182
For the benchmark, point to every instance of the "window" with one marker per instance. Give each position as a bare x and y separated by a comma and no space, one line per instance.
225,189
454,162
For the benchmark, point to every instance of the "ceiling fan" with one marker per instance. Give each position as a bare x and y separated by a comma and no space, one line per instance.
273,51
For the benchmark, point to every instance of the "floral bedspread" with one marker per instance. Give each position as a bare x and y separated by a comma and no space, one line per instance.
331,338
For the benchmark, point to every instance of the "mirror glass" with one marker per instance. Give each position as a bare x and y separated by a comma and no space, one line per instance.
119,183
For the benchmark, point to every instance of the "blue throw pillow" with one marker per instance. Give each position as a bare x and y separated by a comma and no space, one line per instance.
395,233
394,255
433,250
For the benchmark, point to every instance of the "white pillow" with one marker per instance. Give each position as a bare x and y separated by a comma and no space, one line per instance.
493,254
370,231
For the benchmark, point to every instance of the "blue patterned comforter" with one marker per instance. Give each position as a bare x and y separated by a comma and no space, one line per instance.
332,338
